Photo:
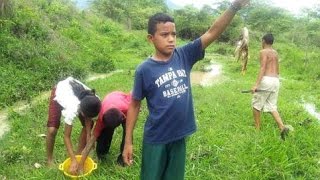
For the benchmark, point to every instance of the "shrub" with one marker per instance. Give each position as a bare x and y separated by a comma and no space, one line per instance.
102,65
223,49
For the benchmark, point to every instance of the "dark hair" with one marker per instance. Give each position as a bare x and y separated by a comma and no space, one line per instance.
90,104
112,118
268,38
85,93
156,19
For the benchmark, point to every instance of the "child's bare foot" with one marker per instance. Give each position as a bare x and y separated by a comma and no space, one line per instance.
50,163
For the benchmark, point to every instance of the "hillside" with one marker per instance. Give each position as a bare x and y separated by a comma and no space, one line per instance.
42,42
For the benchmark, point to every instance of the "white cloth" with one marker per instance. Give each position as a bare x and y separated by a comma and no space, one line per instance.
67,99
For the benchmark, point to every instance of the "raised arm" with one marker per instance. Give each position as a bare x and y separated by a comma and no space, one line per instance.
221,23
132,116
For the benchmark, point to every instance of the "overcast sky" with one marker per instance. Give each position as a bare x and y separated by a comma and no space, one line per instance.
292,5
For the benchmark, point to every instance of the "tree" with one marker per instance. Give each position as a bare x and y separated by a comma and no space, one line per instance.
270,19
5,7
192,22
133,13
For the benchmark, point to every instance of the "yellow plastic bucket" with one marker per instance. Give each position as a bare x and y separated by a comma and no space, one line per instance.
89,166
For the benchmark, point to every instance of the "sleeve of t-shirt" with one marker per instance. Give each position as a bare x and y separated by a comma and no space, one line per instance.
137,92
194,51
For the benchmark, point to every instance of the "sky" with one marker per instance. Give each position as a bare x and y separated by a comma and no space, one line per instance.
292,5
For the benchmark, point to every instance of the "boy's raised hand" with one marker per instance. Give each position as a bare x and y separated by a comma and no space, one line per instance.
221,23
241,3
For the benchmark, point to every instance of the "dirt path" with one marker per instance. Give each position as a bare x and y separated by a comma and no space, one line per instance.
18,107
101,76
4,127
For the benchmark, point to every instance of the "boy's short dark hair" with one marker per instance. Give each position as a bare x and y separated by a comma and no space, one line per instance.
90,106
156,19
112,118
268,38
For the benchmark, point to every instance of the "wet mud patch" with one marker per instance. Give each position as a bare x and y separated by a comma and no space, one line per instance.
208,77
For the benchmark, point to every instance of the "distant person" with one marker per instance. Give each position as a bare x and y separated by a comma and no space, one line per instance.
242,49
164,80
113,113
267,85
71,98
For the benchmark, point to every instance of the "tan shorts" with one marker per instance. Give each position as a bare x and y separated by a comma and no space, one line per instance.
266,99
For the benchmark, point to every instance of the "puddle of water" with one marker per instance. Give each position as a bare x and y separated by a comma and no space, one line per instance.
206,78
311,109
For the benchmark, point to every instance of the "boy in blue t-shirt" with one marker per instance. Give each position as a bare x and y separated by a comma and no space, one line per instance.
164,80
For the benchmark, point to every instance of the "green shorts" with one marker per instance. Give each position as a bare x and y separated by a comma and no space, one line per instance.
163,161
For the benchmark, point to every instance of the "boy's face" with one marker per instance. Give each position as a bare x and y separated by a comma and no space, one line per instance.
164,38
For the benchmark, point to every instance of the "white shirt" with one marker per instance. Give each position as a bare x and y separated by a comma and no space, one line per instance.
66,97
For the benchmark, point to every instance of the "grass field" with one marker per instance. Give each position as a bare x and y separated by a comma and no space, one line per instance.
226,145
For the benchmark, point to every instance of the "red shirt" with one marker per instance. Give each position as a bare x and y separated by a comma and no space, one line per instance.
116,99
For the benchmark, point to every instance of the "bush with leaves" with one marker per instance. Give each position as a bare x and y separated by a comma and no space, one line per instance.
102,65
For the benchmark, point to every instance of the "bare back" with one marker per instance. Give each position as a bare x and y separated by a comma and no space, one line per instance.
269,57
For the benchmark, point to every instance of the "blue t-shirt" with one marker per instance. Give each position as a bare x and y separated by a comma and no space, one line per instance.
167,89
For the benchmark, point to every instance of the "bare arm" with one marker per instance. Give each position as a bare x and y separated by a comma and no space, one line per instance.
88,126
68,144
263,65
220,24
86,152
132,116
67,140
90,140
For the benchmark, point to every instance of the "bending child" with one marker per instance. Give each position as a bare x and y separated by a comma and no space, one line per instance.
71,98
113,113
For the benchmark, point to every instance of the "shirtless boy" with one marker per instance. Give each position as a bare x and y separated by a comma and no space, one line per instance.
268,85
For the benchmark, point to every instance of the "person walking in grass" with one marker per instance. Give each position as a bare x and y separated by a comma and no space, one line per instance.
70,98
164,80
267,85
113,113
